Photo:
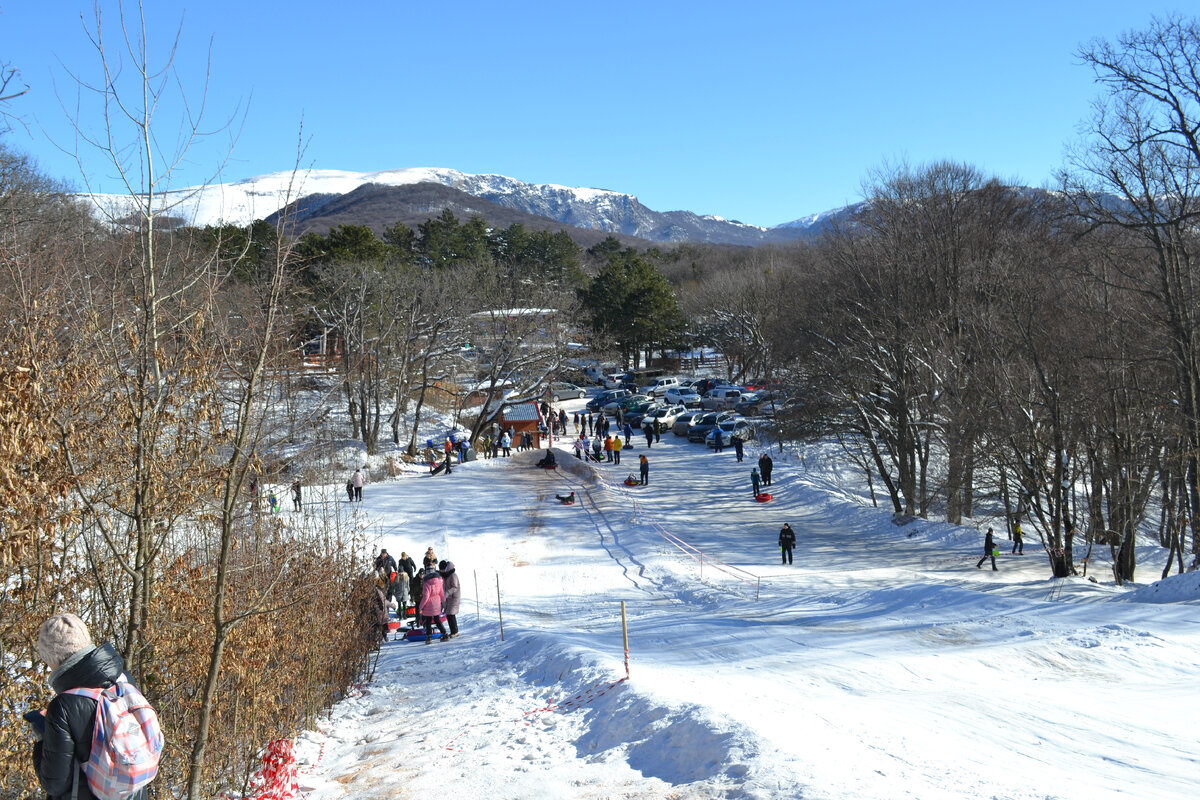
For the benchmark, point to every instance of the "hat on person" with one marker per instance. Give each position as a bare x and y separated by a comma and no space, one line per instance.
61,637
442,564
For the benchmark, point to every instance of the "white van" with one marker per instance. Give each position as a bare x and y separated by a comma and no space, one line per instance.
659,386
720,398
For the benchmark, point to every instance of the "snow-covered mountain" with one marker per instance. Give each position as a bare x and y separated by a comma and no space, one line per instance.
241,202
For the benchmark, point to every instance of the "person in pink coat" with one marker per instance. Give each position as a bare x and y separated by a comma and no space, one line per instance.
433,597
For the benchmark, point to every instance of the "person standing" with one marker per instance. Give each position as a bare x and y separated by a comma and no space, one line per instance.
616,449
453,591
989,551
718,439
765,465
433,597
754,481
66,647
350,490
608,449
787,540
445,463
644,469
357,481
407,564
597,447
506,444
385,565
296,491
648,429
658,427
628,431
1018,539
399,591
739,445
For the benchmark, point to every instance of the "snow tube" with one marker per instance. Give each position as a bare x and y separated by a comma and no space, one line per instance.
764,497
629,482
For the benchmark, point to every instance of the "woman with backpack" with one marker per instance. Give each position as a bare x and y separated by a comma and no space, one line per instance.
83,676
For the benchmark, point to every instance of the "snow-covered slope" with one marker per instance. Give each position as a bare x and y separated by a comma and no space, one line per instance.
241,202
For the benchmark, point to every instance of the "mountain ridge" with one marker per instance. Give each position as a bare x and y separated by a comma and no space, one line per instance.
590,209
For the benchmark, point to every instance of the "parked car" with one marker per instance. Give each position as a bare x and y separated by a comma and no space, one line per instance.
614,380
659,386
756,404
683,422
721,398
701,427
605,397
740,427
561,390
702,385
682,395
624,403
665,414
634,415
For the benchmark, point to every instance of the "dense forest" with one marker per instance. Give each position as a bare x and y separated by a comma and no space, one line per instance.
969,343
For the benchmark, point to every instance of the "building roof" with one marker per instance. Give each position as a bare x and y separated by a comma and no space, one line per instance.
524,412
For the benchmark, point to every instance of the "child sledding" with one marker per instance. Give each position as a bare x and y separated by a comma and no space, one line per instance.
548,461
567,499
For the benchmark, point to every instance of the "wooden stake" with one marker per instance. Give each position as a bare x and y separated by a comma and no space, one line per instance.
625,638
499,610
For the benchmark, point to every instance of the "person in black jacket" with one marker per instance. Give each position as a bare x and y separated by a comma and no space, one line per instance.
989,551
66,646
407,564
787,540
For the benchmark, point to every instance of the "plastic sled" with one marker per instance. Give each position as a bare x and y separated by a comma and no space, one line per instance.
418,634
547,466
763,497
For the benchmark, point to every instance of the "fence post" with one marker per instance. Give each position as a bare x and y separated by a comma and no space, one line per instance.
625,638
499,610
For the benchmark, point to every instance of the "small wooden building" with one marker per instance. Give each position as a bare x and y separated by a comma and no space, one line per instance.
523,418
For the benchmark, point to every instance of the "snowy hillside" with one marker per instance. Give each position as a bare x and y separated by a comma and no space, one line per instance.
882,664
243,201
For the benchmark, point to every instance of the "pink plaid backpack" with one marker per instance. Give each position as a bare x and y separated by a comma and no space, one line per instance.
126,742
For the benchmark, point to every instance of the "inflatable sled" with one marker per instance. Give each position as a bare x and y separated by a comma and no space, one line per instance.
763,497
632,481
566,500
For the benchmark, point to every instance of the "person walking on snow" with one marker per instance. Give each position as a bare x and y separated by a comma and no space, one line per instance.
989,551
1018,539
356,480
754,481
739,446
718,439
765,465
296,494
787,540
644,469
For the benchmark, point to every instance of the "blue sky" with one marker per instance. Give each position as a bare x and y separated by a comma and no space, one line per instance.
758,111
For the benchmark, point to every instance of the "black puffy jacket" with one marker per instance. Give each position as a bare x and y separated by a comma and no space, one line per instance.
70,720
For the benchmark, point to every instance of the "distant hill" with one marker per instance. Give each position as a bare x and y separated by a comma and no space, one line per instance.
330,197
379,207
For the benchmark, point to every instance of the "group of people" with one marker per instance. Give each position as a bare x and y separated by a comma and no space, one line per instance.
354,487
761,475
991,551
433,592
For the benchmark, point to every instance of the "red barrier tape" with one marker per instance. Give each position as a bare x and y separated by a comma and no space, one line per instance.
594,693
277,780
